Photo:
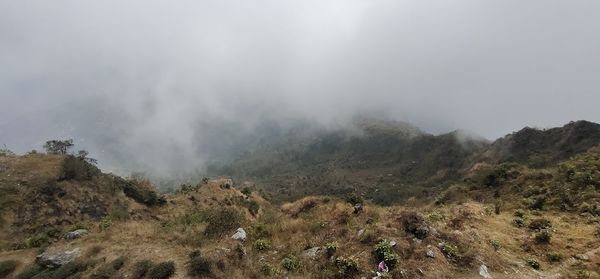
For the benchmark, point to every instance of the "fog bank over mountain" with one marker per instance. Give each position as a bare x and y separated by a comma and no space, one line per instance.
162,86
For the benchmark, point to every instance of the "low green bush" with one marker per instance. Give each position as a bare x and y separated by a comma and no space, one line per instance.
262,244
267,269
383,252
29,272
221,221
162,270
290,263
198,265
347,267
141,268
7,267
543,236
331,248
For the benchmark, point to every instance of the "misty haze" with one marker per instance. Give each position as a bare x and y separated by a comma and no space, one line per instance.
299,139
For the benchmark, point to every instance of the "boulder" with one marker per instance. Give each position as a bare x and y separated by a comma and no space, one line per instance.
76,234
430,253
483,271
56,258
311,253
240,235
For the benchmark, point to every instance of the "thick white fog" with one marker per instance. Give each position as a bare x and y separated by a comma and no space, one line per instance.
158,84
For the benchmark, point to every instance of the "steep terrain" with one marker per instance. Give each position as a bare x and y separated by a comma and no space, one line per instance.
489,215
390,162
375,157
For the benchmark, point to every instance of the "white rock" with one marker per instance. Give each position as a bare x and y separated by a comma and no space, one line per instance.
582,257
76,234
430,253
311,253
55,258
240,234
483,271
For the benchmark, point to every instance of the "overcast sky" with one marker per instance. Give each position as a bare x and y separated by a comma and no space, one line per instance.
117,74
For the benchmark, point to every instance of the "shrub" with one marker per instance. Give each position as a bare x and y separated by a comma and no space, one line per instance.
247,191
383,252
597,232
518,222
536,203
554,257
107,271
495,244
261,230
290,263
240,250
347,267
221,221
37,241
141,268
162,270
543,236
262,244
331,248
66,271
142,192
29,272
198,265
540,224
105,223
414,223
118,263
533,263
77,168
450,251
7,267
267,269
353,198
519,213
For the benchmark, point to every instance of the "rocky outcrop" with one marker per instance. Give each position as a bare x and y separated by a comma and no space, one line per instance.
53,258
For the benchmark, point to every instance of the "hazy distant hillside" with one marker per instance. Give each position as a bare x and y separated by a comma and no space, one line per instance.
541,147
371,156
390,161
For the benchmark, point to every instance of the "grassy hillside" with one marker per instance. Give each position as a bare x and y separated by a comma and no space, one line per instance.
389,162
517,221
376,158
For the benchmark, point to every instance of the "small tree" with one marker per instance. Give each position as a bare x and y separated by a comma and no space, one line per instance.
58,146
83,155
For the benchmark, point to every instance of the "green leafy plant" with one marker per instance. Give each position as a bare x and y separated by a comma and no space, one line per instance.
383,252
331,248
262,244
290,263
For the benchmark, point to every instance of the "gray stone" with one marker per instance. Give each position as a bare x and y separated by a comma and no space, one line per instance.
483,271
393,243
430,254
360,232
582,257
312,253
56,258
76,234
240,234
